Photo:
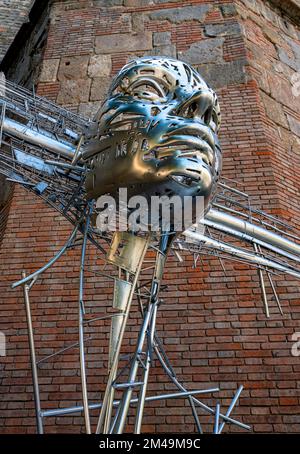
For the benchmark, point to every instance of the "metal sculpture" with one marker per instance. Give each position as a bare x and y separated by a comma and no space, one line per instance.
156,136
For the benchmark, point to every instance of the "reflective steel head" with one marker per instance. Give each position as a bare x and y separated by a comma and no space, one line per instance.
156,133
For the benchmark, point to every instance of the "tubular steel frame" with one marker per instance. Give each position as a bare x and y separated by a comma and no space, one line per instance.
148,345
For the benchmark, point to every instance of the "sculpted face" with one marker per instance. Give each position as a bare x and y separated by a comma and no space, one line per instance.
156,133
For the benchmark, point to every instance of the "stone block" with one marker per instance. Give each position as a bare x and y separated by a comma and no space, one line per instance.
161,38
204,51
99,89
177,15
272,35
99,66
89,109
138,22
49,70
213,30
165,51
138,2
228,10
281,90
285,57
123,42
74,91
274,110
72,68
221,75
294,125
107,3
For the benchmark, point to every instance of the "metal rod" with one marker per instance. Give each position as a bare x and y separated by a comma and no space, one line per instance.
50,263
81,330
77,409
217,418
263,287
231,406
273,287
275,293
195,414
35,381
196,401
143,390
62,350
119,422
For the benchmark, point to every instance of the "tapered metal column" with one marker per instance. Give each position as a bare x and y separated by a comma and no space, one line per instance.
35,381
120,419
105,413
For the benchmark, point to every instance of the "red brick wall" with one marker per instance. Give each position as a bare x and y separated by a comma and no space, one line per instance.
213,325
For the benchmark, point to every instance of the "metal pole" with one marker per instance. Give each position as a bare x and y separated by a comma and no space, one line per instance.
114,366
81,331
120,419
143,390
217,417
263,287
35,382
51,262
231,406
70,410
196,401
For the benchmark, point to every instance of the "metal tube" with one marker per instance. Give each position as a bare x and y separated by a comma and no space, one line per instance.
23,132
59,352
249,256
251,239
195,415
275,293
70,410
119,422
217,418
50,263
255,231
263,287
231,406
143,390
35,381
81,331
196,401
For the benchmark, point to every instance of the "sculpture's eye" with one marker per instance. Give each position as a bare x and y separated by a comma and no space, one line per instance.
147,89
191,110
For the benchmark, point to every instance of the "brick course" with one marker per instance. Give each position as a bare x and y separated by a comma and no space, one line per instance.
212,323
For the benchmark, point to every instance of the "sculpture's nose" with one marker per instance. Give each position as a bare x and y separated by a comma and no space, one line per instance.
199,105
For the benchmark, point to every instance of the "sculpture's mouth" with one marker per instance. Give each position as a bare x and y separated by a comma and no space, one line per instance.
192,154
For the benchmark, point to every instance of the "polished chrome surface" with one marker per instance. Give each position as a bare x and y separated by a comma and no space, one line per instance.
156,133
